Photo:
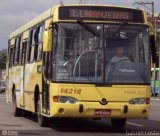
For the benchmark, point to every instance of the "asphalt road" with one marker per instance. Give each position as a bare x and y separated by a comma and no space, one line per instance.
28,126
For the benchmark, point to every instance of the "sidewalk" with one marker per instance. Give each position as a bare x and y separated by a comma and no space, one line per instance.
155,99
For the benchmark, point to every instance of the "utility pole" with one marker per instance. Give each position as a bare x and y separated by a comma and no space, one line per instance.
97,1
61,3
80,1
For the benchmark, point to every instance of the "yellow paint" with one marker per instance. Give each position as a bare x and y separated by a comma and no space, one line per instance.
90,97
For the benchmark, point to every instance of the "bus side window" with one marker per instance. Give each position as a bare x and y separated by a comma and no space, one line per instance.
17,51
10,57
31,46
20,50
23,55
38,38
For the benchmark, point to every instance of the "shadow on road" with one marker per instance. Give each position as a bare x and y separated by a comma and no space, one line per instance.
97,126
78,124
84,125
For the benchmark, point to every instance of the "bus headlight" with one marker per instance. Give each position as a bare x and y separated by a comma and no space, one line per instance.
139,101
64,99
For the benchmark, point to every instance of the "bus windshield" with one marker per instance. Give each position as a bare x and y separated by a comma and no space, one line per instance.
100,53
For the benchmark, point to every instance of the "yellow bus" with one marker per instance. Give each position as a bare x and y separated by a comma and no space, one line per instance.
81,61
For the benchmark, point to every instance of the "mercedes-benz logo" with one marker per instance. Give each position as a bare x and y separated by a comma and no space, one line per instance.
104,101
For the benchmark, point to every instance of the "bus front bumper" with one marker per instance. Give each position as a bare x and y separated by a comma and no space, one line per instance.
96,110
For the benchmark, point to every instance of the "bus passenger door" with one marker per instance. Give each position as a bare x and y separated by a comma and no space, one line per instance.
45,83
23,56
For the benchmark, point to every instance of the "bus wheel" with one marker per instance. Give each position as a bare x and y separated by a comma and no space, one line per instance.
16,111
118,123
42,120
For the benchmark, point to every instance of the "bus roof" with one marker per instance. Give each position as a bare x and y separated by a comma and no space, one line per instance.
47,14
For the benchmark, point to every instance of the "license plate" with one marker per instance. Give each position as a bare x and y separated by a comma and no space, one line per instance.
102,112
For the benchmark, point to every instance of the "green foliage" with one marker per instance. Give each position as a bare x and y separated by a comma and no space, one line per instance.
3,61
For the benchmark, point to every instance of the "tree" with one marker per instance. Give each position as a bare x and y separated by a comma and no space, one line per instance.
3,61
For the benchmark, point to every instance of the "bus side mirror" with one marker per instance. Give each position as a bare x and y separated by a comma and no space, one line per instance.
47,40
153,48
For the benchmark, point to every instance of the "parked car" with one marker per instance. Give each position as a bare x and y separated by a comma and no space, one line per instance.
2,86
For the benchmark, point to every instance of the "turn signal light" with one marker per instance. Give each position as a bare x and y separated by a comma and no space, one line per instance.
55,99
147,100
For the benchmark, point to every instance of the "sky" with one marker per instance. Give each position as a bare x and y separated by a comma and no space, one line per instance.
15,13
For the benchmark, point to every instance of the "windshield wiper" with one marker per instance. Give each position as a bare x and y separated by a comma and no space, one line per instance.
88,28
120,27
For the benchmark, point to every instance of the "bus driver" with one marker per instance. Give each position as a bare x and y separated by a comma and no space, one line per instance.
120,55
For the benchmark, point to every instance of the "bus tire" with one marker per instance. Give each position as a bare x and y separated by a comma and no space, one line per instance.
42,120
16,111
118,123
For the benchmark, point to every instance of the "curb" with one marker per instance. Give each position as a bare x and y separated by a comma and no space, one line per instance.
155,99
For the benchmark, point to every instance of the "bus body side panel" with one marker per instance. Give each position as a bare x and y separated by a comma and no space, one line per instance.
32,78
16,80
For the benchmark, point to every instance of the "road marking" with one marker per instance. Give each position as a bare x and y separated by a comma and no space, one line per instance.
130,123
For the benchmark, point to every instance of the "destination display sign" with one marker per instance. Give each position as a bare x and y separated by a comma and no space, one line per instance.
100,13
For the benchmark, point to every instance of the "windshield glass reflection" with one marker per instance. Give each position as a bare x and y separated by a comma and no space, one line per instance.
97,53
